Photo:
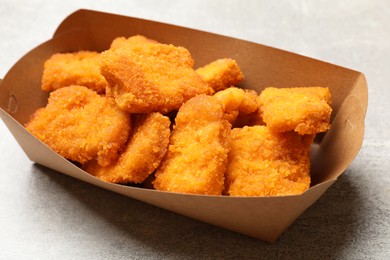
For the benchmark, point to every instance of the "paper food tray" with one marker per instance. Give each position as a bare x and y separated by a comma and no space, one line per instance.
265,218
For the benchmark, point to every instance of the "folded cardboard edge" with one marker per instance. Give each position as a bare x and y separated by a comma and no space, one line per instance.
335,159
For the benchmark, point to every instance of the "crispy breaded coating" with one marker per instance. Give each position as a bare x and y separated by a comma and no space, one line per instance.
237,102
265,163
197,154
131,41
81,125
221,74
151,77
304,110
80,68
142,155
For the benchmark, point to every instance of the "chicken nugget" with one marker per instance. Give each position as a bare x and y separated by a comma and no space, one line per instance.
81,125
265,163
238,104
122,42
196,159
144,151
304,110
151,77
221,74
80,68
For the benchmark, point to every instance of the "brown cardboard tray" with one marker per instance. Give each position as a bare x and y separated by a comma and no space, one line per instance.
265,218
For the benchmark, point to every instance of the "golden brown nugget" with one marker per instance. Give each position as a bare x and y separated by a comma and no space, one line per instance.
265,163
237,102
197,154
221,74
81,125
303,110
151,77
121,42
143,153
80,68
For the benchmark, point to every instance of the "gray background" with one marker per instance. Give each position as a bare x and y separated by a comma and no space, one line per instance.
47,215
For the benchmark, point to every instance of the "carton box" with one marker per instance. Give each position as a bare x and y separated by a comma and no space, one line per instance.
265,218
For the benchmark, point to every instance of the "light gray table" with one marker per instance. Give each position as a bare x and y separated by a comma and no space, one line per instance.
47,215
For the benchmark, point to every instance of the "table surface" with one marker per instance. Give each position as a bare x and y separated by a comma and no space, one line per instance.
47,215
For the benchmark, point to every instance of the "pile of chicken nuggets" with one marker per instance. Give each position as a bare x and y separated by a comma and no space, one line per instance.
140,113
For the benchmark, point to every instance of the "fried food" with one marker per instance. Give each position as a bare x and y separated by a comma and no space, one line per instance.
120,42
197,155
142,155
80,68
238,104
81,125
151,77
221,74
303,110
151,88
265,163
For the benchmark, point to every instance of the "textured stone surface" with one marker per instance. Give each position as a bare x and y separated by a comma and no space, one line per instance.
47,215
